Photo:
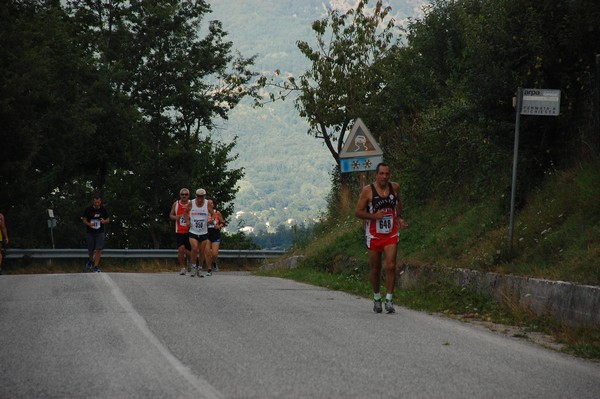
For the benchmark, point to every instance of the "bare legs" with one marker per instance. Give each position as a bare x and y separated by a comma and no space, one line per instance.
389,266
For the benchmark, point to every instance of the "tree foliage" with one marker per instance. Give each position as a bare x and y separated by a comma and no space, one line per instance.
440,99
121,100
455,80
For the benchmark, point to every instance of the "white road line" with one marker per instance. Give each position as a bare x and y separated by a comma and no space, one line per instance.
201,385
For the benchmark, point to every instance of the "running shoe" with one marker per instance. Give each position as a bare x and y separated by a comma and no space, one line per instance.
209,272
377,306
193,271
389,307
97,270
182,272
89,265
216,268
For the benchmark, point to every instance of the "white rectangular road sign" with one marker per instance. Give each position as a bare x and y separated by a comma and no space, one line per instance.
540,102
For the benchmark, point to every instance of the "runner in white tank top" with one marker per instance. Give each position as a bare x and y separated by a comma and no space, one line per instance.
199,218
197,215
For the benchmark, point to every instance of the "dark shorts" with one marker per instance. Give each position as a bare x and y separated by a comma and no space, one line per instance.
95,242
198,237
183,239
214,235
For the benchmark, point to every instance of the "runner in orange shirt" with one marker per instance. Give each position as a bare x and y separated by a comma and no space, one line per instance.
181,230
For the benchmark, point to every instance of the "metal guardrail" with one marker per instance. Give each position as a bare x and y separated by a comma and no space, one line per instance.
15,253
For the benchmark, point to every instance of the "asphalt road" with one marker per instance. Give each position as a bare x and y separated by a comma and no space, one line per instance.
234,335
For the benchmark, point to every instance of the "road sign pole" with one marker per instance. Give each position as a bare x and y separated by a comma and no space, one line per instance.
51,225
514,174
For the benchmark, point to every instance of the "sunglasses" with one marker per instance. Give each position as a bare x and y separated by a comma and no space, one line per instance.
198,195
182,194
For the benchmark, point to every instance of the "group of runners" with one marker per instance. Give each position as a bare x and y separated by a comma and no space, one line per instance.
198,226
198,232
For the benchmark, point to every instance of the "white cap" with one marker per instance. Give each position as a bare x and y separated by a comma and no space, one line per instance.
201,191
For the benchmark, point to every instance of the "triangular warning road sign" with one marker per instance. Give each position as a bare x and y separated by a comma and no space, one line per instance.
360,143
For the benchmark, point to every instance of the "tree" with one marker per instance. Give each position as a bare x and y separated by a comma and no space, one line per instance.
345,80
46,113
180,82
116,97
450,89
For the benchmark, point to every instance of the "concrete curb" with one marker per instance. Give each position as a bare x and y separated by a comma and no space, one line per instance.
563,301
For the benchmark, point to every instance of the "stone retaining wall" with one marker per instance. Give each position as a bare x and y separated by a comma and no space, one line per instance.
562,301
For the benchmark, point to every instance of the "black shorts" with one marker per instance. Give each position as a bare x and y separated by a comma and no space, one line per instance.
95,242
183,239
198,237
214,235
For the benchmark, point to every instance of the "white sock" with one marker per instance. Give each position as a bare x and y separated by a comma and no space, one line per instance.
377,296
388,297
